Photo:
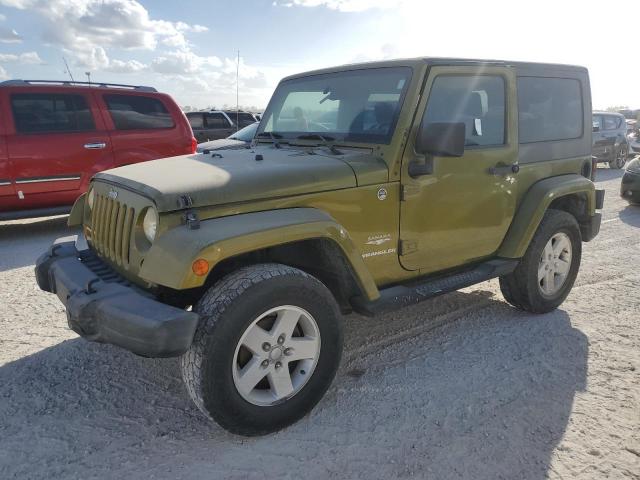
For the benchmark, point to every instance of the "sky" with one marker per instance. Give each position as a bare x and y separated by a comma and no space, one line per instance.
188,48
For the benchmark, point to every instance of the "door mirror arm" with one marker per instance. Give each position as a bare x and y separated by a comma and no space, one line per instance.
418,168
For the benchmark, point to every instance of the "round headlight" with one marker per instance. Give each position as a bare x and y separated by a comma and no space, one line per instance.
150,224
90,198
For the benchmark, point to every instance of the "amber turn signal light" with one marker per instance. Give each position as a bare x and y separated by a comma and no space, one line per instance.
200,267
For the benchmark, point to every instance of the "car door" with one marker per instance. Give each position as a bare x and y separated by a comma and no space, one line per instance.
8,197
610,135
458,209
57,137
142,127
218,126
598,139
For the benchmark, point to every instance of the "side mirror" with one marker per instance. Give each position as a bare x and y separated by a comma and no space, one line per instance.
441,139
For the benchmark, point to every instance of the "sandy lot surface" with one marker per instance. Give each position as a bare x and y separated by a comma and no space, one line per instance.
463,386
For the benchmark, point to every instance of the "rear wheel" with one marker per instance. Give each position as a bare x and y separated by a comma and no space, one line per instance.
546,273
620,158
266,350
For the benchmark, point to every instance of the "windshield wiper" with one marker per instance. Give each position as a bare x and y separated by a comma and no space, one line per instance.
326,139
272,135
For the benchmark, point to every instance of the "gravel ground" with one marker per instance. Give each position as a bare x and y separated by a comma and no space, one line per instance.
463,386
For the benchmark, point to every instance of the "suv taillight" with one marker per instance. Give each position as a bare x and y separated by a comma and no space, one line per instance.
194,145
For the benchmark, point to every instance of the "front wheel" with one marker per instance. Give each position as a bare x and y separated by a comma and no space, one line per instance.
267,348
545,275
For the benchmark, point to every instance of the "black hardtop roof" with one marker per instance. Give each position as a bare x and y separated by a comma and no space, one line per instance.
522,67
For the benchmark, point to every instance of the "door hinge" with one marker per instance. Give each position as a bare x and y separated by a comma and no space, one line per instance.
407,191
407,247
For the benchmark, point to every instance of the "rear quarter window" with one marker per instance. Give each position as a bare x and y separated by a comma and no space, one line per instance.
196,121
51,113
549,109
133,112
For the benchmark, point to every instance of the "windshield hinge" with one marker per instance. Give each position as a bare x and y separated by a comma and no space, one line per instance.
191,220
185,201
408,191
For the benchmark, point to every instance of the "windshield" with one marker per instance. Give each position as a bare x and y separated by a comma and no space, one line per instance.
356,105
245,134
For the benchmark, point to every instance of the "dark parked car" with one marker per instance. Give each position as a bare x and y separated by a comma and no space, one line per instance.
610,138
630,187
240,139
240,118
210,125
633,138
55,135
217,124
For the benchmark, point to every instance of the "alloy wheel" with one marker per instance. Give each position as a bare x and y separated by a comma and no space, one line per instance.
554,265
276,355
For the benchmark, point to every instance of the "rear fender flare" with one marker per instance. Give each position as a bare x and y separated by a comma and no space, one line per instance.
534,205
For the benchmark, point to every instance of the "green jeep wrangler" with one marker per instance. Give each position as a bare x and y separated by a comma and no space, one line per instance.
367,188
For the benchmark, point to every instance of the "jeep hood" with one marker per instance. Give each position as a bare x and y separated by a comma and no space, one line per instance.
236,176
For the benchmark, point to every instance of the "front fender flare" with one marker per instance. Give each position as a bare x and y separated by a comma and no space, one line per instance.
168,262
534,205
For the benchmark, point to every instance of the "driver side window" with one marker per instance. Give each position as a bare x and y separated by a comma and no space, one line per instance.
476,101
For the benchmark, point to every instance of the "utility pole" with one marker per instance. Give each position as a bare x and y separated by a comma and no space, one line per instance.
237,90
88,74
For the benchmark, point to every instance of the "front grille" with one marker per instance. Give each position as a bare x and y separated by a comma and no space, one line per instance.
112,224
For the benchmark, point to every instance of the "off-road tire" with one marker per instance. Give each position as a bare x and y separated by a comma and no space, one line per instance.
521,288
226,310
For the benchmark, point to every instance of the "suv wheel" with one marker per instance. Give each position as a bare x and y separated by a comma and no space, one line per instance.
266,350
620,158
546,273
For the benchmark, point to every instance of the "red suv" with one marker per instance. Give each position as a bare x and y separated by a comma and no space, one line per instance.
55,135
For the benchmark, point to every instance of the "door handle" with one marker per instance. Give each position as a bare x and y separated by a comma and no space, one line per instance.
504,169
95,146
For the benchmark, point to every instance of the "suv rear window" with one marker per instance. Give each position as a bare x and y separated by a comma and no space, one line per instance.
549,109
195,120
132,112
51,113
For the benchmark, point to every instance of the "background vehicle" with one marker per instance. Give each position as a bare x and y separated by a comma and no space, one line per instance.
217,124
240,139
54,136
633,138
368,188
240,118
630,184
610,138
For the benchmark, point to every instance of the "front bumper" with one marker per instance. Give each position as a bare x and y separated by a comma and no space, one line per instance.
103,307
590,229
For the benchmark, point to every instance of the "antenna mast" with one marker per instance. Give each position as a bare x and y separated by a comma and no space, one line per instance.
68,70
237,90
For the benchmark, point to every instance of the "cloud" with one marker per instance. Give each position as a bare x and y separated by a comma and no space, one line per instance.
85,24
3,74
183,62
97,59
342,5
27,58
